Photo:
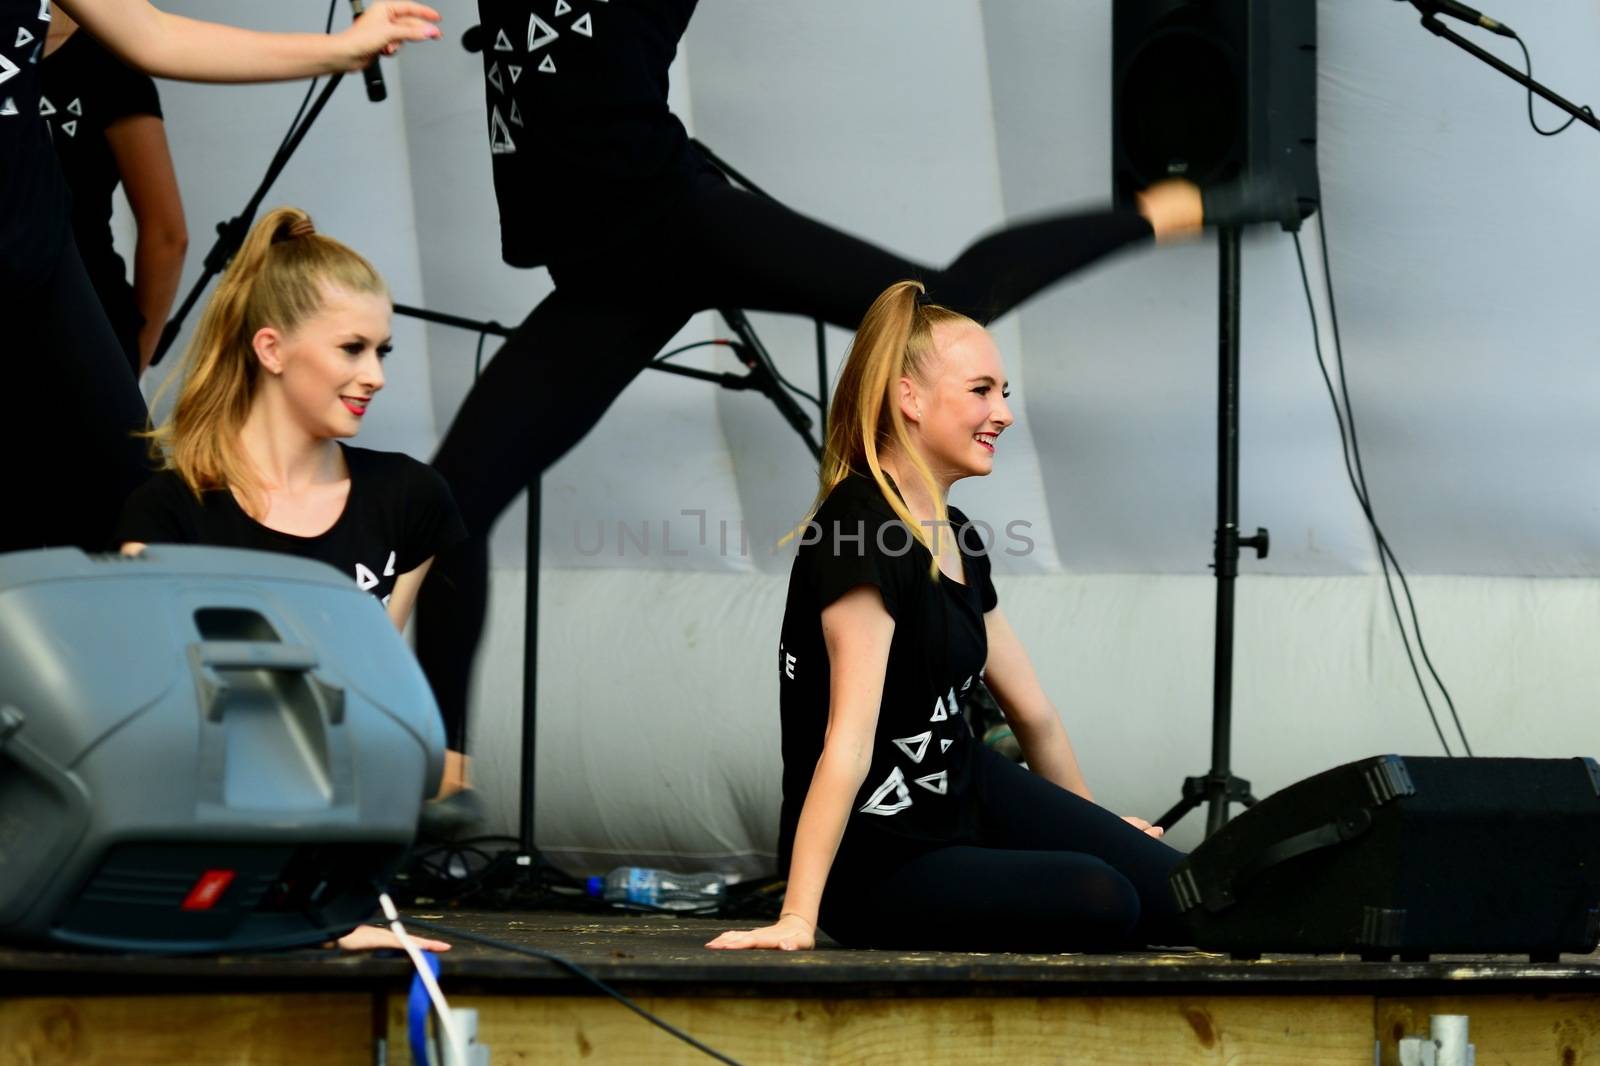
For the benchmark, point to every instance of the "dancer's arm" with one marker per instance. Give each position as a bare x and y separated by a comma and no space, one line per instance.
171,46
857,630
404,596
139,147
1009,674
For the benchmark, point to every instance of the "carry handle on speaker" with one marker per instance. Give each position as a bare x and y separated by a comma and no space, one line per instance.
207,657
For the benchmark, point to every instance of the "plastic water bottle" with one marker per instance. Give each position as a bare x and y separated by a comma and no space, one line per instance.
641,887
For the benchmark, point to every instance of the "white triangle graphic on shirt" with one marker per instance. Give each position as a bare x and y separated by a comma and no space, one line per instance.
46,108
915,747
10,107
8,69
365,579
939,782
955,708
516,72
494,78
516,116
547,65
966,684
938,711
584,25
944,744
500,142
562,8
502,43
388,567
879,802
23,36
37,48
540,33
70,128
75,107
44,10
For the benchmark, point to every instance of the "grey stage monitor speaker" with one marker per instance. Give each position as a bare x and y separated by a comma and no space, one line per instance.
201,749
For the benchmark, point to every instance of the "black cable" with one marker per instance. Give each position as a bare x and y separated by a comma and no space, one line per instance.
1528,62
1366,508
785,382
577,971
796,389
1351,452
1355,448
664,356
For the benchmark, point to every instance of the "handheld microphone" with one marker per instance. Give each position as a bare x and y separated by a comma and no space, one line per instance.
472,39
1464,13
376,92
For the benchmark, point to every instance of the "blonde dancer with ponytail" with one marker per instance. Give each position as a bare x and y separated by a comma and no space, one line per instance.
67,364
898,830
285,364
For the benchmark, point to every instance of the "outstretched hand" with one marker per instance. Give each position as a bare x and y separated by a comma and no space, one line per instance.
384,27
1144,826
790,933
374,938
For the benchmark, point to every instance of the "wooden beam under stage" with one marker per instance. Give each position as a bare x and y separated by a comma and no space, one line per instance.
827,1006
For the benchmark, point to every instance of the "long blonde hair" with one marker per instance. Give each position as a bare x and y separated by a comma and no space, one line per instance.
895,340
277,279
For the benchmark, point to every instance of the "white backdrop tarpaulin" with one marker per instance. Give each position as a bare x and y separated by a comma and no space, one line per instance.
1462,250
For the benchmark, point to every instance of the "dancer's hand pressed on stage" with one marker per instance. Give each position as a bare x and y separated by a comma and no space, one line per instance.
1144,826
790,933
377,938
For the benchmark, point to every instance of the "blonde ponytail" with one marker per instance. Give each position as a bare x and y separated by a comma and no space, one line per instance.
276,279
895,340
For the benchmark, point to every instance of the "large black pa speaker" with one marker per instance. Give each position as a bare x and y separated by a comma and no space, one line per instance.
201,750
1407,856
1211,90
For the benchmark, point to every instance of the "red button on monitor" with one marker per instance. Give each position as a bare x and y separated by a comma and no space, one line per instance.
207,890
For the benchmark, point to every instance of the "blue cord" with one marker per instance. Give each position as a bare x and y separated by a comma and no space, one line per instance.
417,1009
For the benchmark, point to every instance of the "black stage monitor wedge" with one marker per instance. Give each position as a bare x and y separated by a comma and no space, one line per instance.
1211,90
201,750
1407,856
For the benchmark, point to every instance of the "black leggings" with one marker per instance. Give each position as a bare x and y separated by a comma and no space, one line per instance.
608,318
1052,872
77,408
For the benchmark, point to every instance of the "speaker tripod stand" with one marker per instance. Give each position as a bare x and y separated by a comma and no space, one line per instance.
1220,787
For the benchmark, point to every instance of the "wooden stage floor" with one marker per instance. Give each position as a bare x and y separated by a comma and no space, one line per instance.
824,1006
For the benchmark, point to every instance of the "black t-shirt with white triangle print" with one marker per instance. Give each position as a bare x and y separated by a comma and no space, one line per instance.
33,198
399,514
919,782
584,149
86,90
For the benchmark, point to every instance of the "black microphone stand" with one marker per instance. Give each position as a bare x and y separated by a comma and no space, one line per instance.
231,234
1430,22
